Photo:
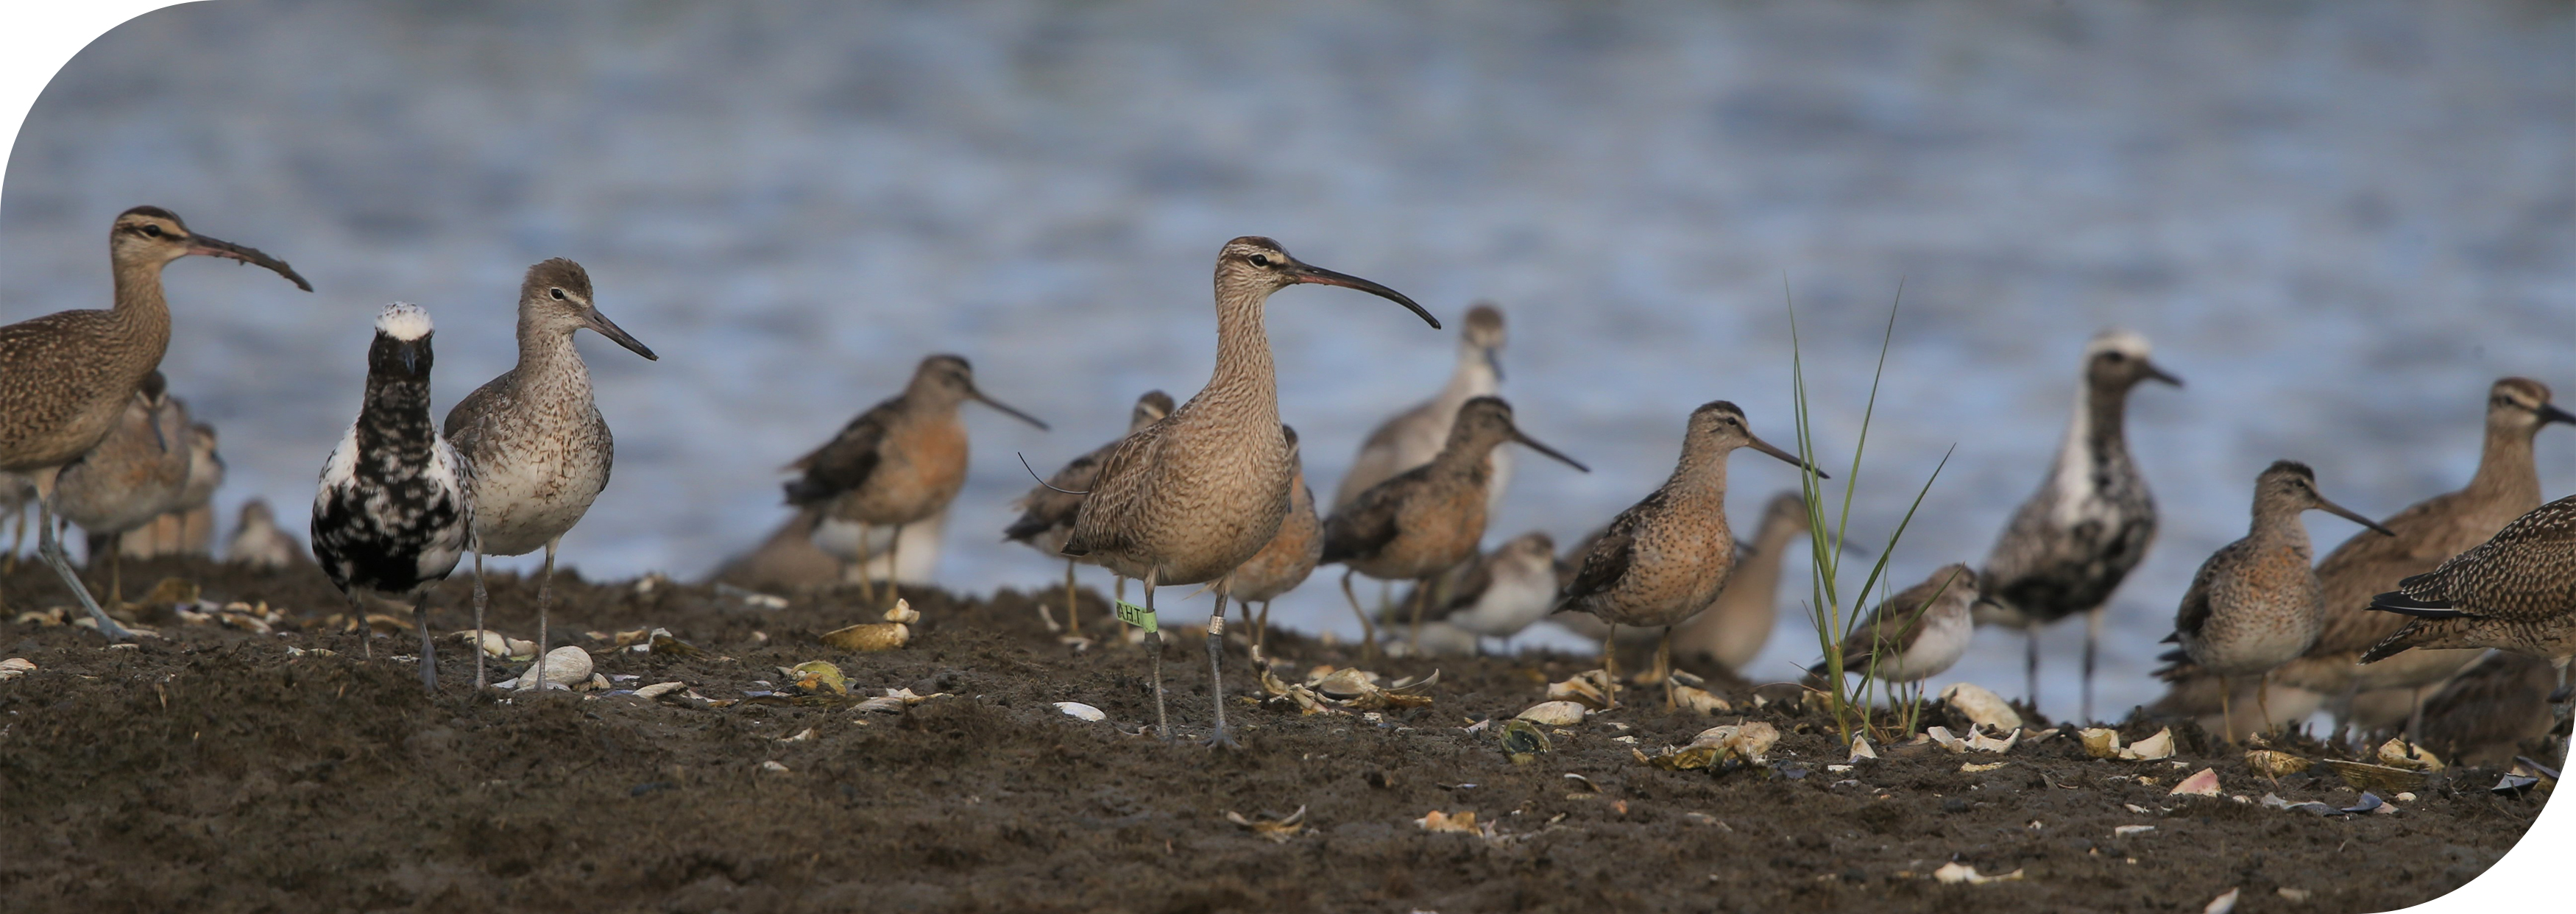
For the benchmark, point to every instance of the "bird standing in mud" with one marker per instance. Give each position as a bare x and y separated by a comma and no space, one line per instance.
536,448
2072,543
1426,520
1916,635
130,477
2256,603
898,463
66,377
1503,591
1047,512
1669,555
391,515
1290,556
1190,498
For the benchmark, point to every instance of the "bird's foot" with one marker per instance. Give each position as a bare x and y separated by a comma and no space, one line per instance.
1221,739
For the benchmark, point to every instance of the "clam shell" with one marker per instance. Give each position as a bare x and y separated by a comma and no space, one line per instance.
1079,710
2272,763
15,667
2202,783
2396,753
565,666
1982,707
2152,748
1554,713
1346,683
2100,742
903,612
869,636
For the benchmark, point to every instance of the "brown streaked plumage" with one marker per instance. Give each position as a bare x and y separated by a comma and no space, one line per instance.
1734,628
2254,604
2483,715
136,473
1193,496
258,542
1917,634
1411,438
1289,558
1428,519
66,377
2506,485
2515,592
1667,556
537,446
898,463
188,527
1048,511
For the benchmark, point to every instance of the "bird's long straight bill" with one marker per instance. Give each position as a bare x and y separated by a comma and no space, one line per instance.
1013,413
608,328
2353,516
1532,444
1320,276
205,246
1785,457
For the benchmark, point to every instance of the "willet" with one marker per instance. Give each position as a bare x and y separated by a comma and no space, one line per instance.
390,515
2069,546
1425,520
1192,497
134,474
1289,557
257,541
2515,592
66,377
898,463
1916,635
1670,554
536,449
1411,438
1047,512
2505,486
1734,628
1505,590
2256,603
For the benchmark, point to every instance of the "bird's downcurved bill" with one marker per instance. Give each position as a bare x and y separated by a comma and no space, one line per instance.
2161,375
608,328
1320,276
1013,413
2353,516
1532,444
204,246
1785,457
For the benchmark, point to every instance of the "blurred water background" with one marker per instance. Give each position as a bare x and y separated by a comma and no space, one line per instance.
2338,221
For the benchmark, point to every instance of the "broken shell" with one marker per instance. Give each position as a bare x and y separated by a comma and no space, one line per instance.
1522,740
1554,713
2100,742
1750,742
1973,768
1980,706
2364,776
1700,700
1284,828
2127,830
1941,737
869,636
1436,820
2203,783
660,689
772,767
2152,748
1345,684
565,666
1983,743
496,644
2396,753
1956,873
2223,904
902,613
15,667
1860,749
817,677
1590,688
2273,763
1079,710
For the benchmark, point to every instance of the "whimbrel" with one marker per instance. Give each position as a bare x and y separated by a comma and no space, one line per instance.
1425,520
1288,558
2505,486
1192,497
390,515
2256,602
66,377
536,450
257,541
2069,546
1505,590
134,474
898,463
1670,554
1047,512
1917,634
2515,592
1411,438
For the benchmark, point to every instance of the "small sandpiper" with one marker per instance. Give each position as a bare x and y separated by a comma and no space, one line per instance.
258,542
136,473
1505,590
2071,544
391,515
1917,634
1289,558
536,449
2256,603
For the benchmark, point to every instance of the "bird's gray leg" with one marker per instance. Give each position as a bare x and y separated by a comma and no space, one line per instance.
366,633
867,582
116,571
1154,647
1664,664
545,592
2030,666
2415,716
1610,663
479,600
1421,595
2092,645
894,568
2226,716
1368,630
428,645
1216,672
1072,608
2263,701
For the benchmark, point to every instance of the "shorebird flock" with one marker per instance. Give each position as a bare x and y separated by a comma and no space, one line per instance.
1212,492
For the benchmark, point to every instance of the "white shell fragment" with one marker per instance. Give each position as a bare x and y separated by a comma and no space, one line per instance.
2105,743
2222,904
564,666
1860,749
772,767
1554,713
660,689
1081,711
2203,783
2127,830
1956,873
1981,707
496,644
15,667
2152,748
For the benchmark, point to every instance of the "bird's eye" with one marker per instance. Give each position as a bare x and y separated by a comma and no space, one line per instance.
1260,260
557,293
152,230
2116,356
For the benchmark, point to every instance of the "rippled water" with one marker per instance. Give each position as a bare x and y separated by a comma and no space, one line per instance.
2338,221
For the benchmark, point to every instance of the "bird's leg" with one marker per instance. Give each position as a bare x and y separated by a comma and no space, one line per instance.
2415,717
1609,665
1154,648
1368,630
1121,587
366,633
545,593
894,570
2226,716
479,601
2263,701
1664,667
1216,672
2030,666
1421,595
49,546
1072,609
428,647
2092,644
867,581
116,572
1261,627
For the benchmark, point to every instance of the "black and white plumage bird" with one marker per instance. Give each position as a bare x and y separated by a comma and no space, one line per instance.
391,514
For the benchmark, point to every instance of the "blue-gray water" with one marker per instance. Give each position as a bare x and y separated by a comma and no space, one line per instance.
2337,221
